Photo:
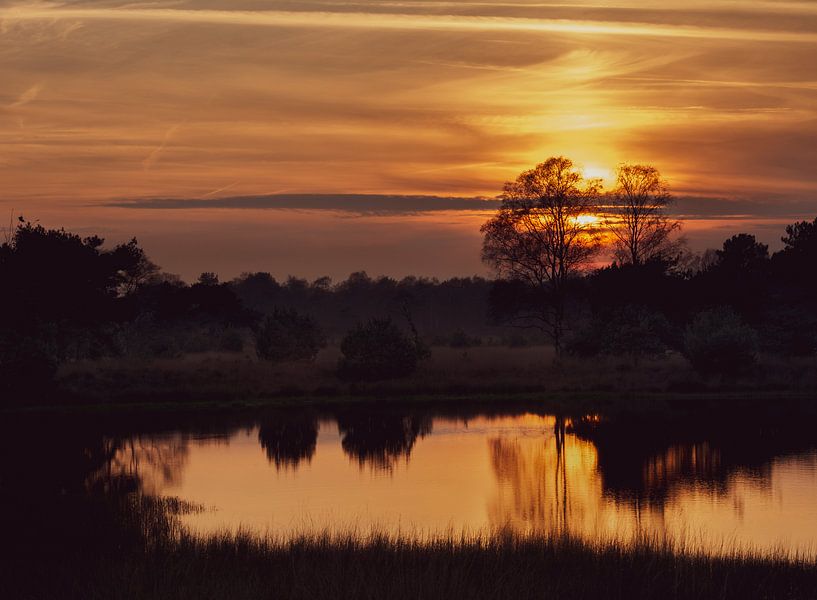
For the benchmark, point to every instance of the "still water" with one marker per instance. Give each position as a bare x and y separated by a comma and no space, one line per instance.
716,484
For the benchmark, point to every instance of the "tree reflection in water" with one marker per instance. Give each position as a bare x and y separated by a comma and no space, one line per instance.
289,438
545,483
379,440
646,461
584,475
146,463
594,476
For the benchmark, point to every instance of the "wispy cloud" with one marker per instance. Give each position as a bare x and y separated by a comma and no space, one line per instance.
152,158
28,96
400,21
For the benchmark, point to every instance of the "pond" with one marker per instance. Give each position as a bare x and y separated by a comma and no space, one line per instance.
717,483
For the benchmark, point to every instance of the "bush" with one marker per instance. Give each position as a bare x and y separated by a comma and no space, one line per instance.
379,349
718,343
286,335
632,331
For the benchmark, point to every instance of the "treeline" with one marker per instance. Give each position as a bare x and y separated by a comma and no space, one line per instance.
720,310
66,298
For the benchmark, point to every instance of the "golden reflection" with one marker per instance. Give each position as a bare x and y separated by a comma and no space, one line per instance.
529,473
546,483
697,461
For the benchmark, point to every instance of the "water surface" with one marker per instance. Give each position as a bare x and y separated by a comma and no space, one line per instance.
717,484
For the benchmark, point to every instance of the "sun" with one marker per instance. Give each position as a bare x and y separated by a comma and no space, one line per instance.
588,219
606,174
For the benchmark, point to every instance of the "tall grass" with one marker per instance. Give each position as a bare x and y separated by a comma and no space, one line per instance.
169,563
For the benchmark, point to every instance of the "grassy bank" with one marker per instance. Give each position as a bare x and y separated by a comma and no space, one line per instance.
161,561
495,375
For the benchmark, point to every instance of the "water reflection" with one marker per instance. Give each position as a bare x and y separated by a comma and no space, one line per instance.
289,438
649,461
379,440
750,480
544,483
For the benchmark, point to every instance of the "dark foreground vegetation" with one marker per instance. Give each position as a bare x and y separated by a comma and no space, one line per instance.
148,557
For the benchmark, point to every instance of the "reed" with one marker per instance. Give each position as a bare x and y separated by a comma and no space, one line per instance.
168,562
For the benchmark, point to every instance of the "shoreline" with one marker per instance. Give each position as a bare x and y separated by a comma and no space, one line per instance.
562,402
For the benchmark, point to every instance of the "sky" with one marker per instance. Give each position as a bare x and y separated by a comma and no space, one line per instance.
326,137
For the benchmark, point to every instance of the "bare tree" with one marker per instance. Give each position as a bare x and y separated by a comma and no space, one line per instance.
636,215
542,235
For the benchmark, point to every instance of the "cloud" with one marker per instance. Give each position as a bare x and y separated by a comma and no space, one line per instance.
591,23
684,207
695,208
362,204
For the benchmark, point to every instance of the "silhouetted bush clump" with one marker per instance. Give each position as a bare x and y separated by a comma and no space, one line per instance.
379,349
632,331
717,342
286,335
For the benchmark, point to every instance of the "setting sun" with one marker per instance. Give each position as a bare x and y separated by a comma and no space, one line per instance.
588,220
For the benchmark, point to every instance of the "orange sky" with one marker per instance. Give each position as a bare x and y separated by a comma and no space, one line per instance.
105,100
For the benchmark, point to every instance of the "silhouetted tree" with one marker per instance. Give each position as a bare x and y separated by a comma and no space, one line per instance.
657,284
542,236
61,294
636,215
208,278
738,277
742,253
135,269
794,264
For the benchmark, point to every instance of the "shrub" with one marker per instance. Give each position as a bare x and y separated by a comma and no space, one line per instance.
379,349
286,335
638,333
632,331
717,342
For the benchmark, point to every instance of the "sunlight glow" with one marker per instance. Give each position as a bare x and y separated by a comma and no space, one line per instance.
588,219
607,176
